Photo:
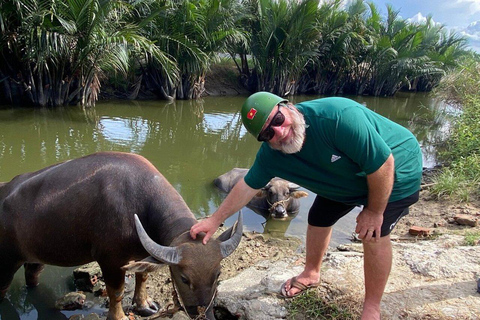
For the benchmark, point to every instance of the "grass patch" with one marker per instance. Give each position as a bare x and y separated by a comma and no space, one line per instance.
472,238
450,184
313,304
460,180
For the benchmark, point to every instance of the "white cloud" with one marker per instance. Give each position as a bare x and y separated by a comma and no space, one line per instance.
472,37
473,5
472,33
419,18
474,27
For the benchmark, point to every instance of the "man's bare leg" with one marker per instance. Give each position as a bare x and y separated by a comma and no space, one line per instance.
377,265
317,242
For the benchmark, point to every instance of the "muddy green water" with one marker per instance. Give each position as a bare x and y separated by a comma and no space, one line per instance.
190,142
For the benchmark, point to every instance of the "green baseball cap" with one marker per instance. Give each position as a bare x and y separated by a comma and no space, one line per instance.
257,108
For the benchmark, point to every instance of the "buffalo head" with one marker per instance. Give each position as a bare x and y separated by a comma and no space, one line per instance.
194,267
281,197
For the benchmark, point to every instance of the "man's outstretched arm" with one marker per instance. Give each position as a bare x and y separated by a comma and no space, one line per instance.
240,195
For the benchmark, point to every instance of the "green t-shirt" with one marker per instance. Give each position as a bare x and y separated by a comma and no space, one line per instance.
345,141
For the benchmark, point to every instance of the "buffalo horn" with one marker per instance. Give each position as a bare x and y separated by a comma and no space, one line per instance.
293,186
229,245
168,255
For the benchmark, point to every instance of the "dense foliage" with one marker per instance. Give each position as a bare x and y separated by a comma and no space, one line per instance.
57,52
302,47
61,52
461,176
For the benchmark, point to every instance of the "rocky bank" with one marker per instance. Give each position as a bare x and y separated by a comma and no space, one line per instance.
432,277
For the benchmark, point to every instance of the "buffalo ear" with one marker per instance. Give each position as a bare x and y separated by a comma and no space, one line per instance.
148,264
261,193
299,194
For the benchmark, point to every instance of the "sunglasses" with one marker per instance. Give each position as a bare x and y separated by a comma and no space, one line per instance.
268,133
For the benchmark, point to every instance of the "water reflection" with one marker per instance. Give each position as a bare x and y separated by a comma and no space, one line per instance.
38,303
190,142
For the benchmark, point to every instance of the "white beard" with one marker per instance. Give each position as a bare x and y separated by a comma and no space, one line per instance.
298,134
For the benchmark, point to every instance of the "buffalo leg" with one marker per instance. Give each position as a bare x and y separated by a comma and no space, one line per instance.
8,311
32,271
115,282
7,271
144,304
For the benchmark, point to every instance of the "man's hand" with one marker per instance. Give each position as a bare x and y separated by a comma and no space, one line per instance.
380,184
209,226
240,195
369,225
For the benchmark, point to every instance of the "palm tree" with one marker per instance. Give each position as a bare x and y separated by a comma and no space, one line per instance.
193,32
444,48
56,52
399,53
361,52
340,50
284,38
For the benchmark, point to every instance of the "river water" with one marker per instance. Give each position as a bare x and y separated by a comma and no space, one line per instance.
190,142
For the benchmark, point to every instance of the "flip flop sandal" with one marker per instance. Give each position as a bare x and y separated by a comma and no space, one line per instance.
295,284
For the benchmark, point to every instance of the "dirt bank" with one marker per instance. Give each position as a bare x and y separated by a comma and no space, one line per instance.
431,278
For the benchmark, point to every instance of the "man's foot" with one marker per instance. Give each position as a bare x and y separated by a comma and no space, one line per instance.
293,287
370,313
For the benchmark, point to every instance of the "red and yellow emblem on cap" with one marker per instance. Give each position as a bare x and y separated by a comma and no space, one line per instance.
251,114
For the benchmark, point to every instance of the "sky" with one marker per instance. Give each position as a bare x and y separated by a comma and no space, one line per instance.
452,13
459,15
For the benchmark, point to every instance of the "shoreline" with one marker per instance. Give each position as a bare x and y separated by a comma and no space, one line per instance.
432,277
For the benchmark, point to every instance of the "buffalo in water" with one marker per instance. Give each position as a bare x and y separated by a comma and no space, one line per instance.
113,208
279,199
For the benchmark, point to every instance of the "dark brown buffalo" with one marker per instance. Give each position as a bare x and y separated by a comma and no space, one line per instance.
91,208
278,199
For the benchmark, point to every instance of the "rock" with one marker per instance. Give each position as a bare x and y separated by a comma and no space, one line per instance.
339,259
351,247
466,220
71,301
87,277
91,316
419,231
180,316
440,224
253,293
445,260
426,275
88,305
254,236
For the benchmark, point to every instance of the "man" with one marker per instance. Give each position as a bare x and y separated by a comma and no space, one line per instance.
348,155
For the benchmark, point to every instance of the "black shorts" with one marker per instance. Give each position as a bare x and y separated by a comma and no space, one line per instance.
325,212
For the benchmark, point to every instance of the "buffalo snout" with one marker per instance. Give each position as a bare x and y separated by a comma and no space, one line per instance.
282,198
200,312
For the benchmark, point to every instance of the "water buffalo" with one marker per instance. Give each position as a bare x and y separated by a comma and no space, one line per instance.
96,208
278,199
